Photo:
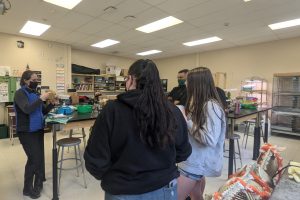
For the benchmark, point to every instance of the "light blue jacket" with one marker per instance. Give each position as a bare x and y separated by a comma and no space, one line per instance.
207,151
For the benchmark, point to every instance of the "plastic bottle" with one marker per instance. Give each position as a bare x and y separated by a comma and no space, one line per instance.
237,109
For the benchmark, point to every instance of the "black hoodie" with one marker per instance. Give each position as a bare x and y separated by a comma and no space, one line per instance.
116,155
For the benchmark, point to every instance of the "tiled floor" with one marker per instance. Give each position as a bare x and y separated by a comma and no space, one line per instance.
12,160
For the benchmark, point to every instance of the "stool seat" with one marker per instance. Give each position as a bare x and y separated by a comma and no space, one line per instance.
235,136
66,142
70,142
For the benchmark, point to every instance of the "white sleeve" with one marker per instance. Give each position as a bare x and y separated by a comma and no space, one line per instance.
212,129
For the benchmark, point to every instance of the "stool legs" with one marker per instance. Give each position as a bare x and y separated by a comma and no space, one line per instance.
77,154
76,160
83,137
60,169
81,161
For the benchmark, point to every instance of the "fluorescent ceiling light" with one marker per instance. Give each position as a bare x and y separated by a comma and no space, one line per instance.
105,43
34,28
159,24
203,41
247,0
69,4
145,53
286,24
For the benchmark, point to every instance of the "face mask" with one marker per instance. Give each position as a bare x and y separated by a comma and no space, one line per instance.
181,82
33,85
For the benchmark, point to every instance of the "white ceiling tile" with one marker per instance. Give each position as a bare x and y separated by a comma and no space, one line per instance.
94,26
72,21
177,29
173,6
255,39
148,16
95,7
47,12
73,37
124,9
55,33
87,23
112,32
154,2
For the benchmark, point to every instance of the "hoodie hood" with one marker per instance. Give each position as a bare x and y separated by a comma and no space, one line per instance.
130,97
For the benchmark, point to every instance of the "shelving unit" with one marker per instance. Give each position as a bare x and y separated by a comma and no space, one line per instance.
286,104
255,87
83,83
104,83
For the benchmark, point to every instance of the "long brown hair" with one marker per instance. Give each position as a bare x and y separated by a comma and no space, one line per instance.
153,114
200,89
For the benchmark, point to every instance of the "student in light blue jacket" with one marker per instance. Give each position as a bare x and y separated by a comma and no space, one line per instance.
207,125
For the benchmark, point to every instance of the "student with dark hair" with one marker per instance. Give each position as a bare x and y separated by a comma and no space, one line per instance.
137,140
222,97
206,123
30,109
178,94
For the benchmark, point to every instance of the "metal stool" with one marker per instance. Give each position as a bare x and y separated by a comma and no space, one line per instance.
247,128
71,134
70,142
237,155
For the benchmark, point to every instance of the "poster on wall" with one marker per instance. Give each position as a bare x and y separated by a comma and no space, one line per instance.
4,92
60,78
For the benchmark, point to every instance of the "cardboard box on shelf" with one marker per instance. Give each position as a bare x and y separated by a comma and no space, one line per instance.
74,97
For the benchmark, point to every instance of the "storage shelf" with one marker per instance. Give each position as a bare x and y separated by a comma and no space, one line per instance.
287,93
286,111
285,132
255,91
85,91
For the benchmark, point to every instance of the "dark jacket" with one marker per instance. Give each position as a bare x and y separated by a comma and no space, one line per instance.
179,94
116,155
30,111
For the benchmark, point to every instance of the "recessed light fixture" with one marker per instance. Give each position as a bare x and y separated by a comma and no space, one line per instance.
202,41
247,0
105,43
285,24
34,28
69,4
159,24
145,53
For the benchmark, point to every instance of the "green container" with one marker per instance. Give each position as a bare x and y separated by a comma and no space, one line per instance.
3,131
82,109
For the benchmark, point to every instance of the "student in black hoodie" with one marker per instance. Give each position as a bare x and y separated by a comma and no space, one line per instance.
137,140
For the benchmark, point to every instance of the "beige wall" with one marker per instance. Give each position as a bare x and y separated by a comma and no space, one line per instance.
38,54
262,60
99,61
169,67
45,56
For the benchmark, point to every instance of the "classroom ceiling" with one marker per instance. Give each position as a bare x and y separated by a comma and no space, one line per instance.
235,21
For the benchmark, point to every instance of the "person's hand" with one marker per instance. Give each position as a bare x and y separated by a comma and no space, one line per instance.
54,101
45,96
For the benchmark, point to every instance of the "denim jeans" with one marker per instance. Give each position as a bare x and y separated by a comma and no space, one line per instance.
164,193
